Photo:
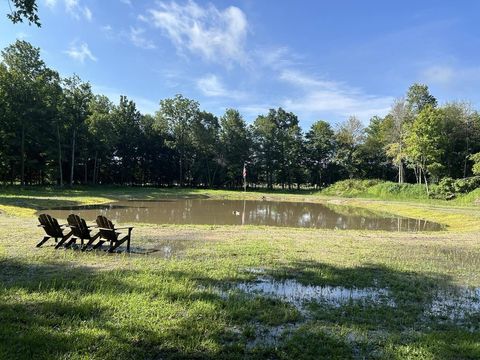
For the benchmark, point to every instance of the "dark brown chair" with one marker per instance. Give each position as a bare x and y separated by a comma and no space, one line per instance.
53,230
82,231
109,232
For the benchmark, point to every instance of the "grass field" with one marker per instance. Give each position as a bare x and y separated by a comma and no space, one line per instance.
415,295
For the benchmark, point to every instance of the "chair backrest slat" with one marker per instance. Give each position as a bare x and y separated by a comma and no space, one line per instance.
103,222
50,225
79,226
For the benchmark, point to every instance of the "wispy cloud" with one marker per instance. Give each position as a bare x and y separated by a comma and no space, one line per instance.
126,2
214,34
51,3
80,52
210,85
73,7
138,38
450,76
146,106
320,96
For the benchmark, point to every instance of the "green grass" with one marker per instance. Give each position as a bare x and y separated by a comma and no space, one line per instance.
384,190
73,305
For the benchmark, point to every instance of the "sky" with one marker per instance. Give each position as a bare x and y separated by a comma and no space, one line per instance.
322,60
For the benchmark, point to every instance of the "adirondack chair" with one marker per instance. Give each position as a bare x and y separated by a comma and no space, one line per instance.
109,232
53,230
82,231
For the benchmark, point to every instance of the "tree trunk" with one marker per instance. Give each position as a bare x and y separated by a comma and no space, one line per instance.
60,170
94,180
22,158
426,182
73,157
400,172
86,172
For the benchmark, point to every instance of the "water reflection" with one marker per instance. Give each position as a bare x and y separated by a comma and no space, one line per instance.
296,293
241,212
455,304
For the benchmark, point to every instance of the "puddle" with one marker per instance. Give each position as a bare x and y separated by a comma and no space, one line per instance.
193,210
297,294
455,304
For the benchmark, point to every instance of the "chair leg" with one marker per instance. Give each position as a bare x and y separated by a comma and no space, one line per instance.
70,243
62,241
98,245
89,243
43,241
117,244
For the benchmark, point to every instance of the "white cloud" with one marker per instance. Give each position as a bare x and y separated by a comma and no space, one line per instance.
51,3
331,97
138,39
126,2
210,85
87,13
73,7
277,58
80,52
216,35
450,76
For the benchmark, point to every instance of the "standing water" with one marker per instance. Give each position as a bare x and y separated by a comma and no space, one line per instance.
246,212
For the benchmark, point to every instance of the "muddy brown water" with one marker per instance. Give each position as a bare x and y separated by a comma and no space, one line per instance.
245,212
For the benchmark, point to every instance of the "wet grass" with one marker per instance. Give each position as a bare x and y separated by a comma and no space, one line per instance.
167,304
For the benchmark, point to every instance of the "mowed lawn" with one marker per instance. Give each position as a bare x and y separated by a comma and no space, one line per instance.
184,292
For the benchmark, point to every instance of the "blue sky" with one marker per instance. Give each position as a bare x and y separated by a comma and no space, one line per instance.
320,59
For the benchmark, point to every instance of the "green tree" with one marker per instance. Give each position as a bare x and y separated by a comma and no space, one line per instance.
423,142
396,124
179,113
349,137
476,163
24,10
235,145
100,125
374,159
264,148
75,108
419,97
126,121
206,146
24,77
320,147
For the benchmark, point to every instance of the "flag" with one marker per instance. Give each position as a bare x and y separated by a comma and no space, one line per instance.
244,172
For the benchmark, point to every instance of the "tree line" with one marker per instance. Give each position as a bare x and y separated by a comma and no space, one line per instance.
55,130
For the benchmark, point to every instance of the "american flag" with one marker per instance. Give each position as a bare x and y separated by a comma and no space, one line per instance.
244,171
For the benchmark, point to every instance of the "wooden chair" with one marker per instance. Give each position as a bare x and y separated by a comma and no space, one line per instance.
82,231
109,232
53,230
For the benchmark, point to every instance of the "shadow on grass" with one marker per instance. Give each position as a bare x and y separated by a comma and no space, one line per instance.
36,203
56,310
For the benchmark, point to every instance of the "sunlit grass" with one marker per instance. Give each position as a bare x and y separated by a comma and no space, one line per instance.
69,304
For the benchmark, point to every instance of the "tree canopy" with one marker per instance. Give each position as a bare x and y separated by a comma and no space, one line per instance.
56,130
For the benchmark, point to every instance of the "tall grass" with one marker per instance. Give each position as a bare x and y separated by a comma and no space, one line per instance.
377,189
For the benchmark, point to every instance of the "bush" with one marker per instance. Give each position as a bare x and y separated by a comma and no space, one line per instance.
350,187
448,188
466,185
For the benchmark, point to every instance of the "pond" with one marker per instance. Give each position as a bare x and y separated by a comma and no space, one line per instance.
246,212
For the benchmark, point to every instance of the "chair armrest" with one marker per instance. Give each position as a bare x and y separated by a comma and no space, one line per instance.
106,229
124,227
40,225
